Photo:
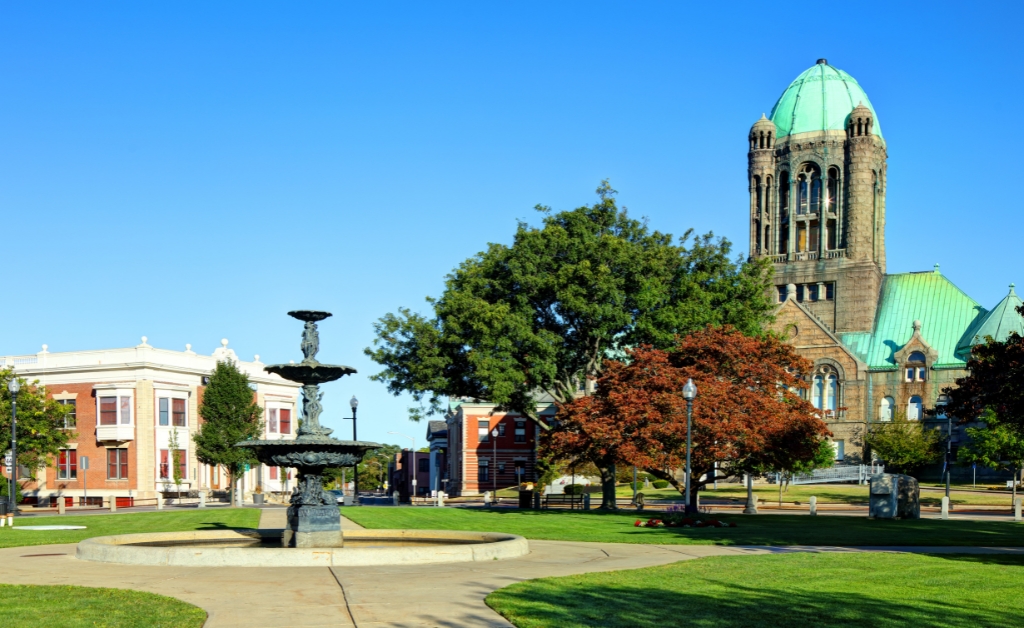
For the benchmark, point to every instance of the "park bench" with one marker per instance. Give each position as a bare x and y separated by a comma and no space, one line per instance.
563,500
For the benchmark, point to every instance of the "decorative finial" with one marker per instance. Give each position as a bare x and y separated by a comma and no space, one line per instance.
188,347
791,291
822,62
224,342
256,358
1012,286
917,326
937,269
45,347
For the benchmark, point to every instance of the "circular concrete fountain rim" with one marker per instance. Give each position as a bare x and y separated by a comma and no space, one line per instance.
118,549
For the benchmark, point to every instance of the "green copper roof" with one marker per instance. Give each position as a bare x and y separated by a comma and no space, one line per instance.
947,315
820,99
998,323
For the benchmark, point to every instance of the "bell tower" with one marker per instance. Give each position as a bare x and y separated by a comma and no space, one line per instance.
816,173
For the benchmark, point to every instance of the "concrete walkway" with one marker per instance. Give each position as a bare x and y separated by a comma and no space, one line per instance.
428,595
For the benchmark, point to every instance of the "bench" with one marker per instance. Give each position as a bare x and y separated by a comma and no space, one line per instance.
571,500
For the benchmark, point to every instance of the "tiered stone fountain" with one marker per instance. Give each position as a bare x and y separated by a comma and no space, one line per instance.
313,517
313,536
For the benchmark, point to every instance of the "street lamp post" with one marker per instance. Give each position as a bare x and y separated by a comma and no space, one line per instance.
13,387
689,393
412,471
494,473
354,403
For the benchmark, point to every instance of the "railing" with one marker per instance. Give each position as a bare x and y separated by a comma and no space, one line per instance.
806,256
781,258
839,473
835,254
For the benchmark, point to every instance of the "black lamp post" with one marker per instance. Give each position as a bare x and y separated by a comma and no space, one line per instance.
689,393
354,404
13,387
494,473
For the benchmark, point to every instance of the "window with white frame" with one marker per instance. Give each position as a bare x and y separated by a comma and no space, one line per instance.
483,470
840,448
115,409
916,370
272,420
885,409
483,430
915,409
167,457
825,389
70,413
67,464
520,436
171,411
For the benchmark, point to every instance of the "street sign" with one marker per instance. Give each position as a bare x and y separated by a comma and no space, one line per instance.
83,462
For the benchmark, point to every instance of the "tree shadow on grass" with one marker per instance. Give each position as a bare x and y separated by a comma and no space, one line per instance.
533,605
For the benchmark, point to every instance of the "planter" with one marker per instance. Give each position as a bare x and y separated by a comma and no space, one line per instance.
257,499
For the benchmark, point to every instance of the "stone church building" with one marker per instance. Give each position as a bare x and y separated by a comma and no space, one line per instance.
882,344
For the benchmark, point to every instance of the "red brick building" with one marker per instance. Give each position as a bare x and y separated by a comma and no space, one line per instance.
479,460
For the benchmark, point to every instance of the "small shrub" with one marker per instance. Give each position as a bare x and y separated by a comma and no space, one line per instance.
660,484
575,489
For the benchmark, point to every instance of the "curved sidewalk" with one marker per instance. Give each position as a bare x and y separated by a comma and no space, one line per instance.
428,595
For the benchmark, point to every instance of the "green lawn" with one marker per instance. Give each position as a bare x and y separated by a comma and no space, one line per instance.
826,494
127,523
23,606
567,525
784,590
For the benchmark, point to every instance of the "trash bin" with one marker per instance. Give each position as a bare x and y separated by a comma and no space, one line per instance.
257,498
526,499
3,506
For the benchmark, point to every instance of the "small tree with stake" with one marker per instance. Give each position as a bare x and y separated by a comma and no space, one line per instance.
230,415
175,450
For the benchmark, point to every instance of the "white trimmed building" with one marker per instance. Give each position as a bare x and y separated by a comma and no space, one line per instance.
126,404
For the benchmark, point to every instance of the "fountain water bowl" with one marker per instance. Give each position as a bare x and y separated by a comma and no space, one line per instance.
262,548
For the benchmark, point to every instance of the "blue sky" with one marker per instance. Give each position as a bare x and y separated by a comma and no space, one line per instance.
191,171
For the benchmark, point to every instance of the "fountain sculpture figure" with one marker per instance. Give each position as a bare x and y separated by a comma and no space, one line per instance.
313,516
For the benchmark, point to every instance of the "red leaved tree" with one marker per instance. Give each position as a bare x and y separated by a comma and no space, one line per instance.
747,415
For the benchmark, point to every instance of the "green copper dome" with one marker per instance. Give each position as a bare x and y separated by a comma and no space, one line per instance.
998,323
820,99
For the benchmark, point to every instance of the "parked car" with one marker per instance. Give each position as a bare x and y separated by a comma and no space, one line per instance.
339,496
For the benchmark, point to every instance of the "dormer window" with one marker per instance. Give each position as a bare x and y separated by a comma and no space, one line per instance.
916,371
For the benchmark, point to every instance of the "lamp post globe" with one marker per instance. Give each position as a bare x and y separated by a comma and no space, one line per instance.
689,393
494,471
13,387
354,403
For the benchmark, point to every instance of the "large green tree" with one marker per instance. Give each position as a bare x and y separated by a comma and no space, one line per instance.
41,423
542,314
996,446
230,415
995,382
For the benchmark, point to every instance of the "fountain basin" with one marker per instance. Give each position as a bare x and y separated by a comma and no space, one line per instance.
262,548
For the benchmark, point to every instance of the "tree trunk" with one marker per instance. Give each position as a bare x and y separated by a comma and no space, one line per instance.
608,487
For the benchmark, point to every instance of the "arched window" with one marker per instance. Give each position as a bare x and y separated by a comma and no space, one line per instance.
915,409
825,389
916,370
815,195
783,193
885,409
832,191
803,195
